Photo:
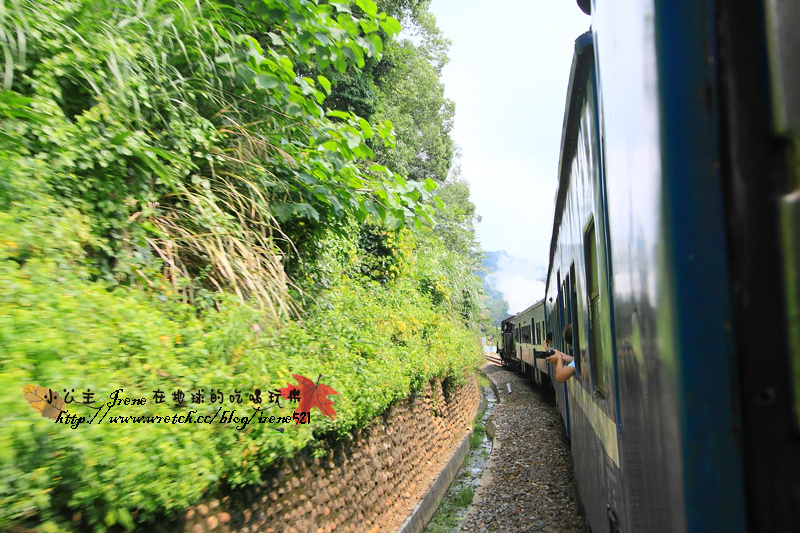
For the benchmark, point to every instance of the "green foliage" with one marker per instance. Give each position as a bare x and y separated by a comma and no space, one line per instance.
476,437
177,131
465,497
449,280
453,509
373,343
403,85
353,92
496,305
163,163
380,253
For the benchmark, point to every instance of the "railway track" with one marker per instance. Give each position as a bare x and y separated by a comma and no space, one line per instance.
493,358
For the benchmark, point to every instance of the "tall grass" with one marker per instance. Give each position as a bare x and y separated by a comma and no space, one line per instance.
151,138
451,281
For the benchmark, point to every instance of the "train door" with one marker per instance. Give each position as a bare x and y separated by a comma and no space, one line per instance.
574,322
599,352
561,388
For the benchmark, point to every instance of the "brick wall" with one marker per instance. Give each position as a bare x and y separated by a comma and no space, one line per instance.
368,482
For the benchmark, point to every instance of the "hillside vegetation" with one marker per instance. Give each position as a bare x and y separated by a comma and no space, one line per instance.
215,196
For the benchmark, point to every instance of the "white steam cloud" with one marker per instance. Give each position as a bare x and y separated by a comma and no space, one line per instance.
520,281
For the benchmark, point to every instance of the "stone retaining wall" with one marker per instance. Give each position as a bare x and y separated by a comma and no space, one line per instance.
367,483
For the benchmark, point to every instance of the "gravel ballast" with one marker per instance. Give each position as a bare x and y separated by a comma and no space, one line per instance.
527,485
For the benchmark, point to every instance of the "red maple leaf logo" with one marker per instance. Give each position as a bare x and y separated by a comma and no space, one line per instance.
311,395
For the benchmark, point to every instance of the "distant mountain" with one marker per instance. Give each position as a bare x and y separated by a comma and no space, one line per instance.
493,259
521,282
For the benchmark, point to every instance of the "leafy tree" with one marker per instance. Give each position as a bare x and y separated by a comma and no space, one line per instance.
411,96
353,92
403,86
456,217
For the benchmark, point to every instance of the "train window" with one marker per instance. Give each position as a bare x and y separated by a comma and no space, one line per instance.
576,349
564,319
567,291
566,302
525,334
596,355
558,325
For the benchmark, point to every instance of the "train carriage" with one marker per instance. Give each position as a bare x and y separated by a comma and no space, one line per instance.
521,336
674,256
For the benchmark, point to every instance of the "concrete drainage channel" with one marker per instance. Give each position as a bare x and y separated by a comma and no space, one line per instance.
456,502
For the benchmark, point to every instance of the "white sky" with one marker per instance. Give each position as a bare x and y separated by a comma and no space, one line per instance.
508,76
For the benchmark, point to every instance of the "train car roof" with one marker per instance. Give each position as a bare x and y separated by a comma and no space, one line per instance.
540,302
584,50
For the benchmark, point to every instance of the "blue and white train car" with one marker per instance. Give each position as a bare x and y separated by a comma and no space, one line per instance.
674,255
